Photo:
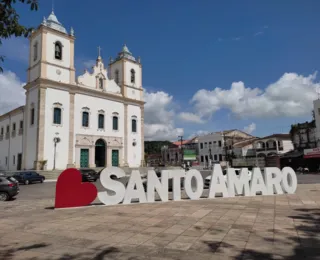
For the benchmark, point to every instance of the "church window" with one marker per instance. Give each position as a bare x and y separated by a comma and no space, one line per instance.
1,131
35,51
101,83
115,121
32,116
58,51
57,116
14,127
85,119
101,121
134,125
21,124
133,76
116,76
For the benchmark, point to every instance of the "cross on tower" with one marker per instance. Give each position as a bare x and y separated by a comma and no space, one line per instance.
99,51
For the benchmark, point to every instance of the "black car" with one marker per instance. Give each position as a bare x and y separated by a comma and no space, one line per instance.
9,188
89,175
28,177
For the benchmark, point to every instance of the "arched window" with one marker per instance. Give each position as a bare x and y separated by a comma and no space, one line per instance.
35,51
58,50
134,125
115,122
32,114
101,121
116,76
85,119
101,83
57,116
133,76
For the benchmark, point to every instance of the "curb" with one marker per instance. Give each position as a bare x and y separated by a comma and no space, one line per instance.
50,180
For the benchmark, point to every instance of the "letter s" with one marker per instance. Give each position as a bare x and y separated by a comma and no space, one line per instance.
112,185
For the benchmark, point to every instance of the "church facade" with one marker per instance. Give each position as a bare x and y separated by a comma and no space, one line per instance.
95,120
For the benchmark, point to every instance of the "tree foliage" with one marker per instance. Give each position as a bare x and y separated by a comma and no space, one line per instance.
9,20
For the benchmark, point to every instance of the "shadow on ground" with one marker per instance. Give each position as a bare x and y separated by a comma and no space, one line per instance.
305,246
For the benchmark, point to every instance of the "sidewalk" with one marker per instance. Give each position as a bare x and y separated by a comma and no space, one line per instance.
261,227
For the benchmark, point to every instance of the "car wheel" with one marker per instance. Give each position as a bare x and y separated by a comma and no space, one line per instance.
41,180
26,182
4,196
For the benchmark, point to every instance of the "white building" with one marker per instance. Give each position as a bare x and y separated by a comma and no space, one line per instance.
93,121
316,108
275,144
215,146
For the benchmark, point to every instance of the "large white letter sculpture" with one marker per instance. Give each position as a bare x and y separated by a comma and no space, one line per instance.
272,181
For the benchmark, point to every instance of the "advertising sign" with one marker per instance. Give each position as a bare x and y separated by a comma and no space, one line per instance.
189,155
71,192
311,153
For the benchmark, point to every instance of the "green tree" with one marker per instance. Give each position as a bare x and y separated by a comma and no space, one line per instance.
9,21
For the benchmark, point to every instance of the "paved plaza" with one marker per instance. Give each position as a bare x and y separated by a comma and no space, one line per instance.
261,227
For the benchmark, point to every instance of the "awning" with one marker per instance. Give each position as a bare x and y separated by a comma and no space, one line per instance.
312,153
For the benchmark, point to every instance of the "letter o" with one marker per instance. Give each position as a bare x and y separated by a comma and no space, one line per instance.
193,195
289,180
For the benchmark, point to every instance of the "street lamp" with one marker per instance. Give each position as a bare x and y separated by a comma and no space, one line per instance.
55,140
181,141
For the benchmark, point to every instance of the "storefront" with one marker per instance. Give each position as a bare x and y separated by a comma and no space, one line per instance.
312,157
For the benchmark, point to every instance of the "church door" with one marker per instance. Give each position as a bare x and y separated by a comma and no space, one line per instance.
115,158
84,158
100,153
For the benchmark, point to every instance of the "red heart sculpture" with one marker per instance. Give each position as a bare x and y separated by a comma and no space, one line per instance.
71,192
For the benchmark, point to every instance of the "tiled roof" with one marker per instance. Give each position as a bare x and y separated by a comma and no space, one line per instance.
244,143
283,136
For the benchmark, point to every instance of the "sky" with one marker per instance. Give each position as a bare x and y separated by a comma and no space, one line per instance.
207,65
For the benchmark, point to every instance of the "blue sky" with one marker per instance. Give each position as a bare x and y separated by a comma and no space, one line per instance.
186,46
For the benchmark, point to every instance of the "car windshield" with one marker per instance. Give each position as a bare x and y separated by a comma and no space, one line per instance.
11,179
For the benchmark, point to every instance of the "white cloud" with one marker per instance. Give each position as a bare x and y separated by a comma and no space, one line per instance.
258,33
291,96
250,128
16,49
88,64
191,117
12,93
236,38
159,117
198,133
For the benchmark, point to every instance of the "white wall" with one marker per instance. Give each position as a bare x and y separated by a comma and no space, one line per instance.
31,137
316,107
134,93
52,74
50,55
35,72
138,80
53,96
89,79
287,146
15,142
96,104
134,152
214,138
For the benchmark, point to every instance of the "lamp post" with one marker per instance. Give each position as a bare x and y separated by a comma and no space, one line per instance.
55,140
181,141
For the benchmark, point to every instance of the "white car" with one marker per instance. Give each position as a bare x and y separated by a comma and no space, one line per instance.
237,170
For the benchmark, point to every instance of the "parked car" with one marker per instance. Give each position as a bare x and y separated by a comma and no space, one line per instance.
237,170
89,175
28,177
9,188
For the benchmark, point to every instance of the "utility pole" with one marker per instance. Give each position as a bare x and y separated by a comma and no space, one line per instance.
181,142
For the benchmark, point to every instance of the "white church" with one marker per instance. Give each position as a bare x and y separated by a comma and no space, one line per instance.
95,120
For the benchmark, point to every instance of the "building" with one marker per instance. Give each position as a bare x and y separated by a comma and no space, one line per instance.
275,144
304,135
94,120
172,154
217,147
316,109
245,148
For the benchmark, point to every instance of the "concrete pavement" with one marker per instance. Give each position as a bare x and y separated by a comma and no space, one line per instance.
261,227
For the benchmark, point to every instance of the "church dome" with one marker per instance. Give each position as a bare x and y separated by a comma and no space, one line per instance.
52,22
125,53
